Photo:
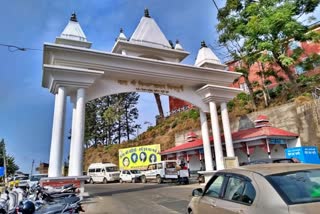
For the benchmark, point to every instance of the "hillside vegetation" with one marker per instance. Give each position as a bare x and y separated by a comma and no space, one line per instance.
163,134
284,92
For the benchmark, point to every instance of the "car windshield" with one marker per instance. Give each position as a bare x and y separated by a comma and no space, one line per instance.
37,177
135,171
112,169
297,187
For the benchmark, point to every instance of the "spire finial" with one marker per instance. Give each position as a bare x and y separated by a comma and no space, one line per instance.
203,44
73,17
121,30
171,44
146,13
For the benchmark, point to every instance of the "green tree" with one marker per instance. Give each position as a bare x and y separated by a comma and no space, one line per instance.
255,27
91,125
12,167
131,113
110,118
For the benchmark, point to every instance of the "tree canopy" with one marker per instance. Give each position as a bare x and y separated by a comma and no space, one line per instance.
111,119
264,29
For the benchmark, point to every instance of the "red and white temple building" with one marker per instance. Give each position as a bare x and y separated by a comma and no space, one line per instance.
260,142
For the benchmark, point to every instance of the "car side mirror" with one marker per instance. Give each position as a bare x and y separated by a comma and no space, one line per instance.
197,192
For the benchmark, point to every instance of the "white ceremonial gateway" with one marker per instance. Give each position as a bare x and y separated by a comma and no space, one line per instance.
145,63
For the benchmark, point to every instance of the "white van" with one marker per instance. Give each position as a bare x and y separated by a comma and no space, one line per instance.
103,172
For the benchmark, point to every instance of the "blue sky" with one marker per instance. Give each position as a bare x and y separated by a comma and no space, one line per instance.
26,109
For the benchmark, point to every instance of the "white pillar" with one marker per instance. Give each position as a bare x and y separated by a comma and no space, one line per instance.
72,144
227,130
206,141
77,153
216,135
268,149
56,150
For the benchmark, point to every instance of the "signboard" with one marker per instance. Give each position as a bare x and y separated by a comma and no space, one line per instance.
277,141
231,162
139,157
305,154
1,171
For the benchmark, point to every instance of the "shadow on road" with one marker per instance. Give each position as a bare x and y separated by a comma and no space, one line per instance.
110,193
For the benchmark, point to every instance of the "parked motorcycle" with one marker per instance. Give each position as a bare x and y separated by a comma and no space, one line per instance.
36,200
29,207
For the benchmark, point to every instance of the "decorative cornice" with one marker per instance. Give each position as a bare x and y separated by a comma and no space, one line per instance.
71,78
218,94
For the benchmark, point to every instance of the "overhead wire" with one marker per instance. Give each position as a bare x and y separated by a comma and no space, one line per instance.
215,4
14,48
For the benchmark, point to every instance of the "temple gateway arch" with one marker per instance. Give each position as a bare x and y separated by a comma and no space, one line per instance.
146,62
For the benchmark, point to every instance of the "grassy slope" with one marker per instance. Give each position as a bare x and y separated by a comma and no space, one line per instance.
163,134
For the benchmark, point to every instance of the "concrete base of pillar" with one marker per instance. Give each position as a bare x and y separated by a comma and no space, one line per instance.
207,175
57,182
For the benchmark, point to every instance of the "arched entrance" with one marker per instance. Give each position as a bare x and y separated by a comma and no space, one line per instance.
71,68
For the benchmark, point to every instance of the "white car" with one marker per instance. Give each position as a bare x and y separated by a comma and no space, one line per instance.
130,176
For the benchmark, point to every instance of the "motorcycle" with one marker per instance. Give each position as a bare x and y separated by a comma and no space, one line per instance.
36,200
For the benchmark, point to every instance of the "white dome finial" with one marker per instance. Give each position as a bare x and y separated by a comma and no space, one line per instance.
206,57
178,46
73,34
122,36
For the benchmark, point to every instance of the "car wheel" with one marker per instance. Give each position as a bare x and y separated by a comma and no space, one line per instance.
159,179
133,180
91,181
120,181
143,179
105,181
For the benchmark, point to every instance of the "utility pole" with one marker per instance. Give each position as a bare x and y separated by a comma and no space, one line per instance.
5,165
32,168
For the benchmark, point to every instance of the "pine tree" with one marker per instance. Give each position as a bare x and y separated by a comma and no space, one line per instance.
110,118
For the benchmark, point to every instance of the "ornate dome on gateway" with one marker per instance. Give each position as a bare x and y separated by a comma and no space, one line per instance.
73,34
149,33
148,41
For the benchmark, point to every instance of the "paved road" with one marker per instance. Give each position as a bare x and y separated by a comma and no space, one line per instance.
138,198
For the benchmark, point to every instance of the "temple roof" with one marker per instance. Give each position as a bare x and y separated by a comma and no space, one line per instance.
149,33
206,57
73,34
73,30
122,36
239,136
148,41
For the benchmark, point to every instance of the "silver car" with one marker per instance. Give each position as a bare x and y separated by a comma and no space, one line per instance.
281,188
